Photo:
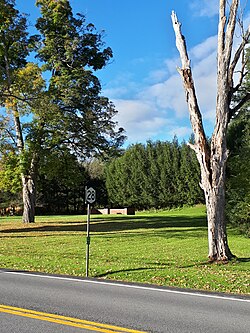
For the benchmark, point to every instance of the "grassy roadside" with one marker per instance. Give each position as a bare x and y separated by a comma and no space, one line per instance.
165,248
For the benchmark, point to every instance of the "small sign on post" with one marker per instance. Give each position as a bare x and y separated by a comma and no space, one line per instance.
90,196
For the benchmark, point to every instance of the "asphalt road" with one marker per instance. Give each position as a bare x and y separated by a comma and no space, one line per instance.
137,307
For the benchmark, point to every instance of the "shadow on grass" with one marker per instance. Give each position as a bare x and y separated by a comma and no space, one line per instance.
118,225
161,266
242,259
153,266
126,270
234,260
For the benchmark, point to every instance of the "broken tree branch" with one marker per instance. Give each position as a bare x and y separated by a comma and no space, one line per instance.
186,73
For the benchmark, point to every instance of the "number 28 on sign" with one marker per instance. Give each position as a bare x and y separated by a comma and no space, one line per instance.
90,195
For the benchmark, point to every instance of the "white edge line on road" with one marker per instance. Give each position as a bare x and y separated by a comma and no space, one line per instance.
117,284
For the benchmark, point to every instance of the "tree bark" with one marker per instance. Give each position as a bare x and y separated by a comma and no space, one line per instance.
28,181
213,159
218,249
29,190
29,199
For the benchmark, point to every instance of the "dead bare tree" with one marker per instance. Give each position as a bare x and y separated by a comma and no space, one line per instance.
212,157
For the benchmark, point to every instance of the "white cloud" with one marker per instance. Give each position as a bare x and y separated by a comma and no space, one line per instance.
140,119
210,8
168,95
167,68
172,64
183,131
207,8
115,92
204,72
204,49
206,94
157,75
120,86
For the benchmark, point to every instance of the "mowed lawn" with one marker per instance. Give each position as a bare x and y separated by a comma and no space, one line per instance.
165,248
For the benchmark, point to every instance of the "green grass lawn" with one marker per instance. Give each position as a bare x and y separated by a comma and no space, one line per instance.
165,248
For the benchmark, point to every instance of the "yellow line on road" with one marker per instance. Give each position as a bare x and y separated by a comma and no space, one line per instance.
69,321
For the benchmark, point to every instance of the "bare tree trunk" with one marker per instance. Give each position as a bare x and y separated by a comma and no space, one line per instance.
213,159
218,249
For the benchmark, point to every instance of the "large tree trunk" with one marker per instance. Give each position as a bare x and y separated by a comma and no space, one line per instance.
218,249
29,199
29,176
214,189
212,159
212,162
29,190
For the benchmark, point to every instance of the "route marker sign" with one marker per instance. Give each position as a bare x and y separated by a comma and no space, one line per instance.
90,195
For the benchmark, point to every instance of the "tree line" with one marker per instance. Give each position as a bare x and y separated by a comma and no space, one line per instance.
154,175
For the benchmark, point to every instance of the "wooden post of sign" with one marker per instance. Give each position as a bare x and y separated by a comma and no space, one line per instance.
87,241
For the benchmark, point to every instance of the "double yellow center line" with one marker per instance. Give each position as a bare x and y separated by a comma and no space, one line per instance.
69,321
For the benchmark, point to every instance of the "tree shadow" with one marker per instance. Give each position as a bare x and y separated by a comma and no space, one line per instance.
236,259
110,272
159,266
242,259
153,266
117,224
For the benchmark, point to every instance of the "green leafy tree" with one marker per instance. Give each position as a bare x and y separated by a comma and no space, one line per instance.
136,164
164,161
238,172
189,177
16,88
71,50
151,178
61,183
10,173
68,111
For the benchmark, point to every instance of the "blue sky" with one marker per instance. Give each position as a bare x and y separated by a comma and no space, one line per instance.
142,79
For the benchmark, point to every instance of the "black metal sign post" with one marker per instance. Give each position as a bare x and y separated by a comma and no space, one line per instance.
90,198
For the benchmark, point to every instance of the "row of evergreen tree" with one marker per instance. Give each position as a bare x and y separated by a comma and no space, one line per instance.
155,175
238,173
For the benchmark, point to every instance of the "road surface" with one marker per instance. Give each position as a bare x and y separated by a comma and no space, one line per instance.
40,303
